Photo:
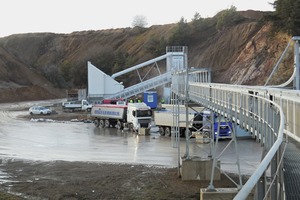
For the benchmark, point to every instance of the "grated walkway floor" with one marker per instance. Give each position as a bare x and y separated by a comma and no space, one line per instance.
292,170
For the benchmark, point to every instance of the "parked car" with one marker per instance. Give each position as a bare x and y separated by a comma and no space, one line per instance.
39,110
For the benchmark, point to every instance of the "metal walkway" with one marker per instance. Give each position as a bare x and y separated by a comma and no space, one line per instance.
143,86
292,170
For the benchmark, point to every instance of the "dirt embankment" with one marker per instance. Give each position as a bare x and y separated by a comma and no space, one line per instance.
27,93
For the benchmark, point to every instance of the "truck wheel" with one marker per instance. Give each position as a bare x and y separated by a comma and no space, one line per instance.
107,124
119,125
89,110
96,122
101,123
167,131
189,133
161,131
130,126
206,133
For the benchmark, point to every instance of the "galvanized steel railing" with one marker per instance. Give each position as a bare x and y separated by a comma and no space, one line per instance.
256,109
143,86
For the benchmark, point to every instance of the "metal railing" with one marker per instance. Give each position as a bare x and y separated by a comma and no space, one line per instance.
257,109
143,86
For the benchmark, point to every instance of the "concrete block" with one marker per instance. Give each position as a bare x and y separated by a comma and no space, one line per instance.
220,194
144,131
202,138
198,169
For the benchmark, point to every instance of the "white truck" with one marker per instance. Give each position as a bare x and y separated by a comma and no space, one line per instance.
77,105
164,120
132,115
199,119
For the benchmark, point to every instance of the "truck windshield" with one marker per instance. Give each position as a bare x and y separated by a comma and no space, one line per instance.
217,119
144,113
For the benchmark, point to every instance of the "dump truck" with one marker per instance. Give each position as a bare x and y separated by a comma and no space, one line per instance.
131,115
77,105
164,120
199,119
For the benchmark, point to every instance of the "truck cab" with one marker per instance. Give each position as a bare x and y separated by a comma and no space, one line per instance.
225,127
139,115
85,105
77,105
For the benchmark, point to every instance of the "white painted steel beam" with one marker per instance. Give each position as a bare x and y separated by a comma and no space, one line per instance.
140,65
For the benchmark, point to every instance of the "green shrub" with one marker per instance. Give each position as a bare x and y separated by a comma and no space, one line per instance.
227,18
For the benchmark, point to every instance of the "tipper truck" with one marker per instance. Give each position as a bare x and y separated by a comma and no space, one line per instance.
164,121
132,115
199,119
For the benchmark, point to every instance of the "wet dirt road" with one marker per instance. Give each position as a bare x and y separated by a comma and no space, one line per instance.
78,141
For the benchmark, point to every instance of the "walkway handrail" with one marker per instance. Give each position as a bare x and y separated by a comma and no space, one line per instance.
262,167
251,107
143,86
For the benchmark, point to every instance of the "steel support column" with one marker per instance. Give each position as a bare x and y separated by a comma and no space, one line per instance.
296,63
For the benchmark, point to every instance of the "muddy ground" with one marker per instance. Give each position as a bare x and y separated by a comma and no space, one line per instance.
79,180
86,180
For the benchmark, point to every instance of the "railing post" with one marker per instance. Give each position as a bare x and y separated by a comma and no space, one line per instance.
296,61
274,187
187,115
260,189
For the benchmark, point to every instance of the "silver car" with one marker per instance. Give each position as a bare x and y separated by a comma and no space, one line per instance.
39,110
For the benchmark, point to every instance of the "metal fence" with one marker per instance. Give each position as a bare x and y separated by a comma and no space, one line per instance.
260,110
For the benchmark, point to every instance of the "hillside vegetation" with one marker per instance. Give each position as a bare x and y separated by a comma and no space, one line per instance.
239,47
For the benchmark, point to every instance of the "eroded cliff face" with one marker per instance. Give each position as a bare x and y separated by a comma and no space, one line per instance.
20,82
258,58
245,54
31,65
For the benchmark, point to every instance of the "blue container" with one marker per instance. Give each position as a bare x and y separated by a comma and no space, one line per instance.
150,98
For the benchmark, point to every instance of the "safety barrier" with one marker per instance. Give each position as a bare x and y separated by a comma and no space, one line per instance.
257,109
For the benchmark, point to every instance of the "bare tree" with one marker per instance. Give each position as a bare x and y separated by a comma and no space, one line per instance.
139,21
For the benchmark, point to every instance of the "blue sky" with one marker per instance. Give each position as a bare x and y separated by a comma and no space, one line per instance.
66,16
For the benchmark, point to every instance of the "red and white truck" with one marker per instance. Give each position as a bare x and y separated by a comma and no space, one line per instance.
132,115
